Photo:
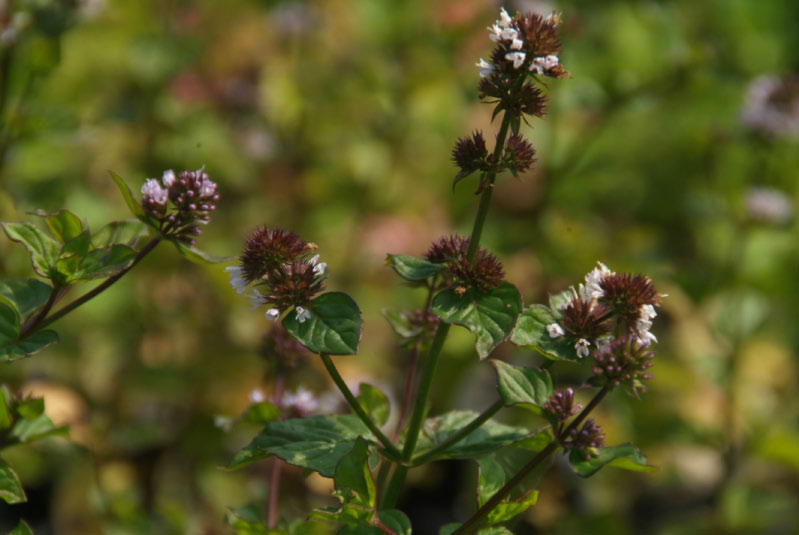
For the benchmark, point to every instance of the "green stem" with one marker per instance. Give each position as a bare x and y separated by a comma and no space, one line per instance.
474,521
356,407
100,288
460,435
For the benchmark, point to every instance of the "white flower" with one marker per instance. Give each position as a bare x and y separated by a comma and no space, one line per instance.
504,19
314,260
495,33
168,178
509,34
485,67
648,312
555,330
646,337
542,64
207,188
320,268
592,280
273,314
582,347
516,44
153,190
256,395
517,58
303,400
237,279
302,314
256,298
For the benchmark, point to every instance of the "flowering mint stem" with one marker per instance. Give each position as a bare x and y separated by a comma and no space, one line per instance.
356,407
474,521
63,311
460,435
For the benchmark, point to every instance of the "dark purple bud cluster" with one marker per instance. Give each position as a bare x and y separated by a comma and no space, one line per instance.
484,274
586,319
586,441
282,349
179,204
519,154
561,405
292,284
625,294
267,249
624,361
471,154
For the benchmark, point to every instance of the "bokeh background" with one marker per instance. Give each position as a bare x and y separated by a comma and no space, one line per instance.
673,150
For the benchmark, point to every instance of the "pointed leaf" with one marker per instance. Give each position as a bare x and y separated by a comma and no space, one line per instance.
396,521
374,402
199,257
102,263
624,456
317,443
10,487
30,345
21,529
43,249
26,295
334,326
491,436
30,430
63,225
401,324
490,315
412,268
531,331
127,194
461,175
353,479
126,232
9,325
528,386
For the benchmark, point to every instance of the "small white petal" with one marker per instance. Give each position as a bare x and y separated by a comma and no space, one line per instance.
256,395
485,67
509,34
504,19
302,314
237,281
320,268
582,347
516,44
555,330
152,189
272,314
517,58
314,260
168,178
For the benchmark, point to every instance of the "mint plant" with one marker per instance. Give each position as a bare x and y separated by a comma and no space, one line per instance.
602,326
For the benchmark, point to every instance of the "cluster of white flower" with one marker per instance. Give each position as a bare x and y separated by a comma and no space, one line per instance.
151,189
302,400
503,31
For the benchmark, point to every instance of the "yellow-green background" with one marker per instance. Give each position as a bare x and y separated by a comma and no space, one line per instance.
336,119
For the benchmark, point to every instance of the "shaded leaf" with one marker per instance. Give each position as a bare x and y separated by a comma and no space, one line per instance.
401,324
199,257
127,194
44,250
26,295
353,479
396,521
374,402
334,326
6,418
530,387
63,225
412,268
317,443
9,325
101,263
490,315
22,529
10,486
261,412
29,430
624,456
531,332
491,436
126,232
30,345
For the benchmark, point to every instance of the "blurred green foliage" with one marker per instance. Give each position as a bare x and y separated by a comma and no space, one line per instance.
336,119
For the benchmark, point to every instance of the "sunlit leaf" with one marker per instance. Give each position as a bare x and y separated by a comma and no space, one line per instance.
26,295
490,436
374,402
530,387
43,250
624,456
10,486
531,331
412,268
334,325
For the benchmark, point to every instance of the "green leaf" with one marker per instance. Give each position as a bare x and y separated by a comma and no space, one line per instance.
261,412
21,529
317,443
396,521
9,325
6,417
489,315
529,387
447,529
43,249
624,456
247,521
531,332
491,436
334,326
63,225
353,479
30,345
127,194
10,487
412,268
199,257
72,254
461,175
101,263
30,408
401,324
26,295
374,402
560,301
126,232
30,430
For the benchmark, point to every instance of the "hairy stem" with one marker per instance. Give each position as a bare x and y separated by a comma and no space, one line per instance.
460,435
66,309
356,407
474,521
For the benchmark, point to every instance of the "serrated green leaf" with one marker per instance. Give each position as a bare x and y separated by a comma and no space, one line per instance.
44,250
72,255
101,263
531,332
530,387
396,521
317,443
412,268
353,480
491,436
22,529
374,402
261,412
126,232
10,487
401,324
490,315
334,326
625,456
63,225
199,257
30,345
9,325
127,194
26,295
